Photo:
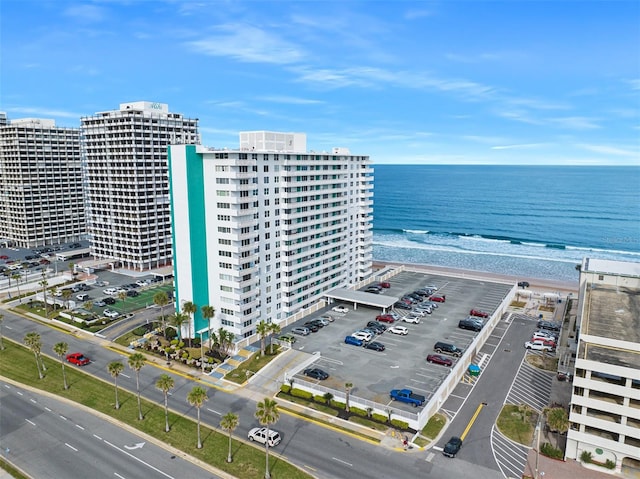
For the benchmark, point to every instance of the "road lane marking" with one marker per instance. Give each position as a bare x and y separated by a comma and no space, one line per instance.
343,462
139,460
19,393
63,418
118,475
79,427
473,419
97,437
30,422
70,447
128,377
214,412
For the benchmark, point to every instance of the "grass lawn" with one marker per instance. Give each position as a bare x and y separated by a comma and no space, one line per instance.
252,365
512,424
18,363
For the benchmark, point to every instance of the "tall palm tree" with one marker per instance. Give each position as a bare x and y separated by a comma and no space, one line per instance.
16,276
267,414
273,329
122,296
165,383
44,283
229,423
34,343
66,296
347,388
136,361
88,305
197,397
1,341
262,329
115,368
61,349
162,299
189,308
208,312
225,339
176,320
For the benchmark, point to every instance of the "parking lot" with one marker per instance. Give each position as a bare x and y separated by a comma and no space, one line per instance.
403,362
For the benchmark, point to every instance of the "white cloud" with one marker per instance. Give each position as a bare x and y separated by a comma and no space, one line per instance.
611,150
517,147
634,84
291,100
575,122
86,13
45,112
246,43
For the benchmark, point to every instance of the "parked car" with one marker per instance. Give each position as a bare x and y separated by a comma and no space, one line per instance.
373,289
545,341
327,317
4,256
353,340
99,303
384,284
398,330
109,313
452,447
362,335
316,373
431,287
447,348
340,309
78,359
288,338
420,312
301,331
470,324
549,325
544,335
379,328
142,283
321,322
538,346
438,298
385,318
110,291
411,318
401,305
408,396
132,293
313,327
82,297
523,284
109,300
439,359
375,345
478,313
259,434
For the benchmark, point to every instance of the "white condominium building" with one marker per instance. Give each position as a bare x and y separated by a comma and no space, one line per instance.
605,402
41,194
264,231
125,155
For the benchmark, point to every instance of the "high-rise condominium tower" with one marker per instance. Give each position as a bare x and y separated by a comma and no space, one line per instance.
125,154
41,195
264,231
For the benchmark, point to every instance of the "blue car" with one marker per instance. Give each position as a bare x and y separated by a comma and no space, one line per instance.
353,340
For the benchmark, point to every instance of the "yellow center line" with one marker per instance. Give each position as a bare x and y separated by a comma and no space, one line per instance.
473,419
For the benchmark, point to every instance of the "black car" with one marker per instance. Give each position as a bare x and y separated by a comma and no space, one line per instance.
523,284
373,290
401,305
376,346
316,373
381,328
312,327
317,322
132,293
452,447
470,324
109,300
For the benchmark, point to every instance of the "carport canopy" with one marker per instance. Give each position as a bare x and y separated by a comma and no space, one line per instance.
360,297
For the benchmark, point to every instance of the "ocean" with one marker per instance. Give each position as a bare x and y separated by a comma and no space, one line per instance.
525,221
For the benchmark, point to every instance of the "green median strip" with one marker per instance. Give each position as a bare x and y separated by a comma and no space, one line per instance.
18,363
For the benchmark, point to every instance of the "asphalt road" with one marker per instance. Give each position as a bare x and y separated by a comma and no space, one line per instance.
49,438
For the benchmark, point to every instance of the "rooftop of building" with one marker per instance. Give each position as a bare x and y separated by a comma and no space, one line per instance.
614,313
611,267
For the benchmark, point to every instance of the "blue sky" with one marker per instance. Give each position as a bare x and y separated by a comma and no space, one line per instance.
449,82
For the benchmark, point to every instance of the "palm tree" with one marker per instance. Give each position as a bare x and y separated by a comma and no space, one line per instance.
61,349
88,305
66,295
347,387
1,342
229,423
34,343
208,312
189,308
267,414
162,299
44,283
263,330
165,383
273,329
197,397
136,361
176,320
122,296
16,277
115,368
225,338
557,419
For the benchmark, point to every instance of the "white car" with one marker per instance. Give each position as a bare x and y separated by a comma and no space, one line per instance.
110,291
538,346
543,335
394,315
142,283
418,312
259,434
411,318
398,330
363,335
340,309
327,317
109,313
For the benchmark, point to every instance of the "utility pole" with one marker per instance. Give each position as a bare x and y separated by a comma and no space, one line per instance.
538,444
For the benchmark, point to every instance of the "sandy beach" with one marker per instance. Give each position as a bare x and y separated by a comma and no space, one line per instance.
536,284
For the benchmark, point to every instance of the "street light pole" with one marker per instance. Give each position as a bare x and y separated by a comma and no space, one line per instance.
538,444
201,353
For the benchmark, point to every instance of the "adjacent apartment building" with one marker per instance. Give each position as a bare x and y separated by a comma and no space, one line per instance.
127,184
264,231
41,188
605,403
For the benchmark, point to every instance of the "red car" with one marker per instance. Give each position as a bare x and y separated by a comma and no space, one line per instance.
385,318
78,359
438,298
4,256
478,314
384,284
439,359
545,341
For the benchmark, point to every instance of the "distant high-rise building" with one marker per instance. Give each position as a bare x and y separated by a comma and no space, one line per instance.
605,402
41,194
125,159
265,231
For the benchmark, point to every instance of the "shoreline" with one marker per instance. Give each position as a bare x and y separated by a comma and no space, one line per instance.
538,284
